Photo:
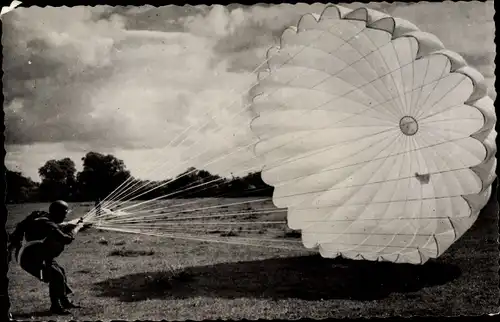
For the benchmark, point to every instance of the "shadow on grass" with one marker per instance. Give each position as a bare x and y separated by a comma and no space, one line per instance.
307,277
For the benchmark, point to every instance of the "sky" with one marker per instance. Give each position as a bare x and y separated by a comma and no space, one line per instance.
129,80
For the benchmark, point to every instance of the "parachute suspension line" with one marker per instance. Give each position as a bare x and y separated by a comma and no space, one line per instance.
213,223
206,208
188,128
123,218
208,231
165,196
329,169
222,157
293,56
161,208
113,193
258,200
192,202
116,192
120,215
116,204
119,203
98,208
195,238
176,230
274,240
161,197
169,216
363,162
166,183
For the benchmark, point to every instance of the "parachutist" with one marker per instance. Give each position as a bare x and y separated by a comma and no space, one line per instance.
45,237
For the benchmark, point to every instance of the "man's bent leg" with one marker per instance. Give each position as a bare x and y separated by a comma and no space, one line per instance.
65,302
57,289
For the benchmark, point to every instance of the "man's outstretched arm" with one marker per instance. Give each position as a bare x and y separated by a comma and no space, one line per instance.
58,233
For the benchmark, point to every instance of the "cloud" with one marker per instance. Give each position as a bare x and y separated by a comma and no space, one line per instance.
28,158
165,18
465,27
130,89
245,34
88,88
53,58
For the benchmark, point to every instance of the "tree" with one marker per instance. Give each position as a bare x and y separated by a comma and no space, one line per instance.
101,175
256,186
58,179
19,188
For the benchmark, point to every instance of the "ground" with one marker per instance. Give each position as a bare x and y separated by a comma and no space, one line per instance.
133,277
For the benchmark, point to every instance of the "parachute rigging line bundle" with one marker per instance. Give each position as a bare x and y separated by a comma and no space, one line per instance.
388,134
378,141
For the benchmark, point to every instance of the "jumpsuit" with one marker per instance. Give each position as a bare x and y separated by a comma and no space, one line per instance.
45,242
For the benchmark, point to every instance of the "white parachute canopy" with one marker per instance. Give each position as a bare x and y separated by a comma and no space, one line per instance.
378,141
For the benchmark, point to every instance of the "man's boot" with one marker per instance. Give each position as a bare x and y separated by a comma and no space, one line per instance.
66,303
57,309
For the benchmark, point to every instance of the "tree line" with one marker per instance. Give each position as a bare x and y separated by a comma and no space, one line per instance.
102,174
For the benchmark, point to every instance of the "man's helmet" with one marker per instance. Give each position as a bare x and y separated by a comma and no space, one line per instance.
59,207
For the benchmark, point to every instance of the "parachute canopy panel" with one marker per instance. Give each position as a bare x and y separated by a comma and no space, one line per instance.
378,140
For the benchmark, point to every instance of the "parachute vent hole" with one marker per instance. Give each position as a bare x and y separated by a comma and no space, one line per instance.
423,178
408,125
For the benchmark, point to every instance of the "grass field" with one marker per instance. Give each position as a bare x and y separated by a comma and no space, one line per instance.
134,277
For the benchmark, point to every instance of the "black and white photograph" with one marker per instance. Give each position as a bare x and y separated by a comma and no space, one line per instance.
258,161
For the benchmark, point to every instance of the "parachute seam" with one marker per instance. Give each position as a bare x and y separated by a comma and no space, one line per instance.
357,191
445,187
412,141
382,247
